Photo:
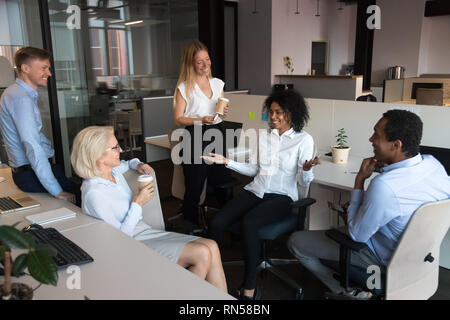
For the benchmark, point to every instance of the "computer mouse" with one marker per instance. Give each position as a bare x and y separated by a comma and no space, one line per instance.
33,226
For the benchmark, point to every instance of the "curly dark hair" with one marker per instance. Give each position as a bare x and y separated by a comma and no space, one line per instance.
404,126
293,104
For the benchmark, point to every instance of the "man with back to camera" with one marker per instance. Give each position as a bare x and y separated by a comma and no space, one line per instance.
28,149
378,216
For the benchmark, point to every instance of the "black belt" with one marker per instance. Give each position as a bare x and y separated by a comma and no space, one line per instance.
21,168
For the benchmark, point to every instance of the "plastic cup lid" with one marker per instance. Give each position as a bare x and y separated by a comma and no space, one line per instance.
145,178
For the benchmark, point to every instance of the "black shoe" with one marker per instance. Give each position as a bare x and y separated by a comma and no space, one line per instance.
241,296
192,228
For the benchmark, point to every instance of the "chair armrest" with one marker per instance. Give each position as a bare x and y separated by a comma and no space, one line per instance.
299,209
305,202
345,240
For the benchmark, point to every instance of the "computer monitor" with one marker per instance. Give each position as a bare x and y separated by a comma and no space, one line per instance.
281,87
442,154
233,126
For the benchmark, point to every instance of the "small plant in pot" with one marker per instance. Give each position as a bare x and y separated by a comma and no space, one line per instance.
340,151
35,257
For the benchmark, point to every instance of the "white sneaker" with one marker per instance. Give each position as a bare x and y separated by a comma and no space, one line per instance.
358,294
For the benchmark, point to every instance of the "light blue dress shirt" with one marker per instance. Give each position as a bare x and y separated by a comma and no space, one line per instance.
112,202
379,215
21,124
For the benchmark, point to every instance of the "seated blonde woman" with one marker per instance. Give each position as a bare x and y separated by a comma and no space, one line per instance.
106,195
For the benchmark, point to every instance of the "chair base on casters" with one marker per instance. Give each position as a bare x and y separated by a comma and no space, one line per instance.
271,265
189,227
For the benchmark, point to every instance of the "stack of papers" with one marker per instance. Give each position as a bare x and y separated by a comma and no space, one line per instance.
51,216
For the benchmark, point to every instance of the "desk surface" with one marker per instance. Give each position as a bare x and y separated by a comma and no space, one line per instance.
160,141
341,176
47,202
123,267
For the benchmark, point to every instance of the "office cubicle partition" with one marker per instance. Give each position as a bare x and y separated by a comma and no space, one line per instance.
157,120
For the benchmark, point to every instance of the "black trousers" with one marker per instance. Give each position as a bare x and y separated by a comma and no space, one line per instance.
195,174
252,213
27,181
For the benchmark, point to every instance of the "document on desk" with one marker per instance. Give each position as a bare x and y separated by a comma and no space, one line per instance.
51,216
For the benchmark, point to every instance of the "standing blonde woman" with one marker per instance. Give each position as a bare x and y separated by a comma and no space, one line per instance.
107,196
195,102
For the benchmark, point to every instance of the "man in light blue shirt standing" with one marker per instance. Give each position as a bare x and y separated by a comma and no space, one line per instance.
378,216
28,149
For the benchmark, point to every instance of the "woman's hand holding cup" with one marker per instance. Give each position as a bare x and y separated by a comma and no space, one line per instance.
146,190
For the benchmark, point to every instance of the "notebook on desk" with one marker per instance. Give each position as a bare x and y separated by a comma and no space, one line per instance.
17,202
51,216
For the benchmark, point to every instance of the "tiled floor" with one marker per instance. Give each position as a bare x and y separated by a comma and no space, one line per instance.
272,287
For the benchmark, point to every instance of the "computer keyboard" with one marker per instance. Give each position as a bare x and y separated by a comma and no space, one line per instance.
68,252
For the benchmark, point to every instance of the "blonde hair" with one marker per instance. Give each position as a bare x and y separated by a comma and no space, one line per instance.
88,146
187,70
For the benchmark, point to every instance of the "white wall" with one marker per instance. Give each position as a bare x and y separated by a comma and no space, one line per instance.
435,45
254,46
293,34
398,40
341,35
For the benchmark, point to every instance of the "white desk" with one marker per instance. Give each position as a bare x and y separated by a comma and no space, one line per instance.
157,148
332,182
123,267
47,203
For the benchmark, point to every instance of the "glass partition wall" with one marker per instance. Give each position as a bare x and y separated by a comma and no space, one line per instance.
20,26
120,52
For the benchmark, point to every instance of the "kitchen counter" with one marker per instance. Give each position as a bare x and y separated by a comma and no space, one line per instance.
319,76
324,86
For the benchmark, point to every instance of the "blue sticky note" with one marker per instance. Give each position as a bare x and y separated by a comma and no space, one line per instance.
265,116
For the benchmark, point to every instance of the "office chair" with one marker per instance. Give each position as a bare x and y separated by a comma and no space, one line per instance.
413,272
293,222
151,211
178,189
367,98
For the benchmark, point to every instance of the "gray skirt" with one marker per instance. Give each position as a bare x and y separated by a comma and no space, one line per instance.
168,244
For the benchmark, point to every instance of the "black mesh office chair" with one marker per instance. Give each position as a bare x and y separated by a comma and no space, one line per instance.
293,222
367,98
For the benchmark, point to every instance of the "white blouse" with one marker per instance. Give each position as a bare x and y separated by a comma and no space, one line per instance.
278,164
112,202
198,104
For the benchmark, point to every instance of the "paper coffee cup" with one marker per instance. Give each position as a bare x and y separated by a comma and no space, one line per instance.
221,104
144,180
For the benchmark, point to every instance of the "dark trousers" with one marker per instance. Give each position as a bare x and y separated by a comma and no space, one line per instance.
196,174
252,213
27,181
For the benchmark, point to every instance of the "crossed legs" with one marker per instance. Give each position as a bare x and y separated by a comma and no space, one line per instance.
202,258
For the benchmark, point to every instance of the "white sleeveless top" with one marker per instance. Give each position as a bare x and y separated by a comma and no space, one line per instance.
198,104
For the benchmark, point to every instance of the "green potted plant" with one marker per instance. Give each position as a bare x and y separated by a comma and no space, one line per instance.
35,257
340,151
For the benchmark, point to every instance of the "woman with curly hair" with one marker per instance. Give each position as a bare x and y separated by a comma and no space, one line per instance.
284,158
